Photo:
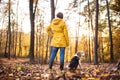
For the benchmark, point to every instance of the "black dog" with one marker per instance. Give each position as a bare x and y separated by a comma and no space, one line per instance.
75,61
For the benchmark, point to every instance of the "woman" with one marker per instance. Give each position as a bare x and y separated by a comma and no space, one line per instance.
57,30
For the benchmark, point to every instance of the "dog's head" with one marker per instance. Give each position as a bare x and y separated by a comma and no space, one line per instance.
80,53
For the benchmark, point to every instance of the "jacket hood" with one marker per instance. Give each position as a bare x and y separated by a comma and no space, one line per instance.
57,21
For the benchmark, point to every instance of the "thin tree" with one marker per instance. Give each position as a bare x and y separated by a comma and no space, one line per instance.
20,42
13,37
52,17
76,4
6,44
96,34
52,9
9,32
1,39
110,34
32,19
89,16
16,31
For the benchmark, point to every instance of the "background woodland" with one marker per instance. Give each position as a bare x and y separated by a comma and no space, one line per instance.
99,19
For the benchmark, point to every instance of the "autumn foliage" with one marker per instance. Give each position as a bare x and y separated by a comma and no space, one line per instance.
21,69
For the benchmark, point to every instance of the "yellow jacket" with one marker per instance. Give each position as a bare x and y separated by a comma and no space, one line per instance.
58,31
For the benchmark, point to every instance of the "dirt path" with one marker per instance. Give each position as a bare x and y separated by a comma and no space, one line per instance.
13,61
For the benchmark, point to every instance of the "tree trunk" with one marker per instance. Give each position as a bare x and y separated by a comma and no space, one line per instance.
1,40
52,16
32,19
52,10
37,43
20,41
16,31
9,32
110,34
31,53
77,28
6,46
96,35
13,38
89,33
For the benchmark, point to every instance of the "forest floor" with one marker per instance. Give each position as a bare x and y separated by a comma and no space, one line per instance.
21,69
